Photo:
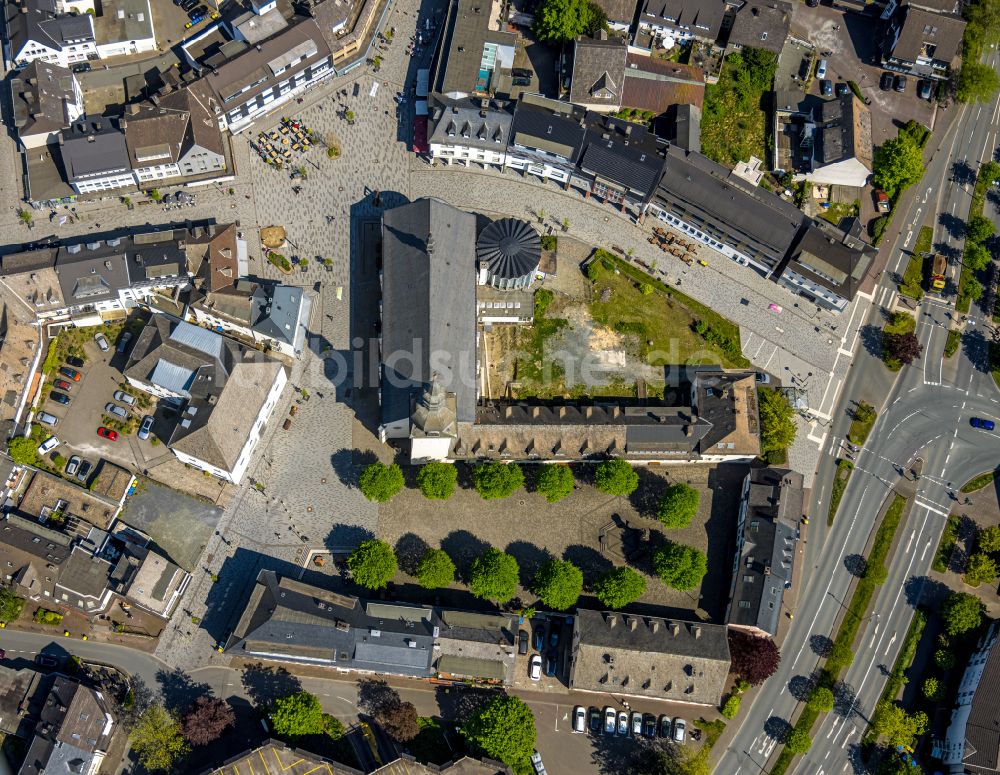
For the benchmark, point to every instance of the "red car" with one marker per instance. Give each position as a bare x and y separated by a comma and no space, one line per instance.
63,384
107,433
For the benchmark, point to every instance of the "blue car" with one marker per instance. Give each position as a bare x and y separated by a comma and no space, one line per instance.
986,425
59,398
539,638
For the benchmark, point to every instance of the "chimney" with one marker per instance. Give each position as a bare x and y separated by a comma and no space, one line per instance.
696,631
612,621
633,622
122,124
654,625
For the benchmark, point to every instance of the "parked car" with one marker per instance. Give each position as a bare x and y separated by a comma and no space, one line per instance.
117,411
665,727
609,720
882,201
536,762
47,419
123,342
899,83
551,663
986,425
826,88
81,67
885,82
147,426
622,722
636,724
812,3
535,668
84,472
539,638
69,373
48,445
73,465
59,398
649,725
102,342
821,69
554,636
925,89
842,88
680,731
579,720
125,398
522,635
595,721
74,361
107,433
63,384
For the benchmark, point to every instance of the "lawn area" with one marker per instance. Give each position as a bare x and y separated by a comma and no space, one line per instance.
533,366
913,279
981,481
837,211
733,124
864,419
843,474
925,240
899,323
952,343
948,540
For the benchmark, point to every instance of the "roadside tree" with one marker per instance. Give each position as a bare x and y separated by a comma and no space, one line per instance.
777,421
296,715
558,584
554,481
494,576
961,612
678,506
157,741
798,742
988,540
561,21
372,564
616,477
679,566
754,658
436,480
898,163
896,725
206,720
976,82
980,569
503,730
497,480
435,569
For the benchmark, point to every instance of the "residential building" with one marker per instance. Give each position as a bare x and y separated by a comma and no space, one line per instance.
972,743
842,143
22,694
475,53
225,392
286,620
655,85
469,131
598,72
648,657
547,138
428,309
826,265
121,27
37,29
762,25
50,499
767,531
923,43
175,137
620,13
73,733
46,99
89,278
217,257
94,155
678,21
621,162
276,757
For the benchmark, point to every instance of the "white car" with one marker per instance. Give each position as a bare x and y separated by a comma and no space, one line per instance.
610,720
125,398
102,342
48,445
536,762
73,466
821,69
680,731
535,668
579,720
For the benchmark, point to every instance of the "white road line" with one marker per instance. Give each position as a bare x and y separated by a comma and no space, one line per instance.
889,646
927,506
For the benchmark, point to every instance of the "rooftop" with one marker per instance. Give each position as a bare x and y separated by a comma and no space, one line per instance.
621,11
928,35
761,24
701,18
464,117
47,493
655,85
37,21
622,153
475,52
123,20
598,71
42,94
92,147
549,125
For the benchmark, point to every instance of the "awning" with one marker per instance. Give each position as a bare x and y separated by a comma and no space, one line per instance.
471,667
420,135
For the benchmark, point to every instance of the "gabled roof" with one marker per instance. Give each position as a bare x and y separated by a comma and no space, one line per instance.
622,152
41,94
598,71
37,21
621,11
654,85
276,311
92,147
761,24
702,18
935,36
548,125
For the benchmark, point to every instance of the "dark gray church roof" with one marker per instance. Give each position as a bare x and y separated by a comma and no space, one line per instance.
509,248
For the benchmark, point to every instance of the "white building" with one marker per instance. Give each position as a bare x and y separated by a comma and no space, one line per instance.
469,131
37,29
46,99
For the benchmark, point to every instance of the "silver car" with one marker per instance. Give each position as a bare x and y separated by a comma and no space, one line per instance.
146,427
102,342
116,410
73,465
125,398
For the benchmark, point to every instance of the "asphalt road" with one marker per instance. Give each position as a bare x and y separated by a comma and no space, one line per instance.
924,415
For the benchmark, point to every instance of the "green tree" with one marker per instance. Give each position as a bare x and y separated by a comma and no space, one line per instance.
681,567
820,700
503,730
379,482
678,505
372,564
798,742
840,654
497,480
558,584
980,569
619,587
560,21
157,740
988,540
933,690
896,725
435,569
296,715
777,421
976,257
554,481
731,707
979,229
494,576
10,605
436,480
944,658
898,164
23,451
976,83
961,612
616,477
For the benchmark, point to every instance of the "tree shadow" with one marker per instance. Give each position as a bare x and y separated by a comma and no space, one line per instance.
179,690
871,339
925,590
348,463
952,225
345,538
777,728
845,700
821,645
856,565
977,349
266,683
410,548
801,686
591,562
463,548
375,695
462,702
646,498
962,173
529,559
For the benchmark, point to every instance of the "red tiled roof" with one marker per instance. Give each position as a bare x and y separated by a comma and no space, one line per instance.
656,84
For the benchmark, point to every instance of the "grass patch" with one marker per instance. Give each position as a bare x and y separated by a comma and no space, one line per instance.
278,260
862,424
981,481
967,279
713,731
947,544
840,479
952,343
733,125
995,362
913,279
45,616
531,340
430,745
925,239
837,211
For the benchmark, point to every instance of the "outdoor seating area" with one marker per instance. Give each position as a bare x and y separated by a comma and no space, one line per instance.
278,146
670,243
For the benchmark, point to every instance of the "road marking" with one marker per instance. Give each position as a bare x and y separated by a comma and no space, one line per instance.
926,547
847,737
889,646
927,506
